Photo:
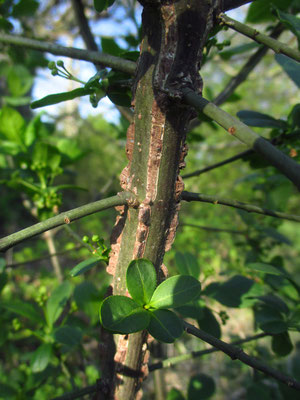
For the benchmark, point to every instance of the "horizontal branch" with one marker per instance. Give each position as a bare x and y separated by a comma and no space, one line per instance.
95,57
188,196
77,394
242,132
210,229
252,33
236,353
65,218
195,354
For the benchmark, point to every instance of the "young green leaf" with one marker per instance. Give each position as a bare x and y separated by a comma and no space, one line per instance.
84,266
165,326
291,67
187,264
121,314
175,292
70,336
57,302
266,268
41,357
59,97
24,309
141,280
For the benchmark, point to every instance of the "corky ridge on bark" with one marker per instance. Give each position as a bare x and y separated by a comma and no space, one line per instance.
173,40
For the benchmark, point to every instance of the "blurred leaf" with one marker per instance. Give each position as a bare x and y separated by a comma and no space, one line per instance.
260,10
101,5
291,67
3,280
84,266
294,116
87,298
130,55
290,21
257,391
266,268
141,280
281,344
193,310
165,326
175,292
16,101
254,118
270,320
109,46
57,302
175,394
8,392
25,8
120,97
232,51
12,125
200,387
68,335
275,302
60,97
274,234
41,357
24,309
19,80
187,264
209,323
121,314
231,293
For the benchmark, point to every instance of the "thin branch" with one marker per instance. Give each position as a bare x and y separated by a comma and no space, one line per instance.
238,129
252,33
210,229
110,61
230,4
78,393
170,362
188,196
236,353
66,218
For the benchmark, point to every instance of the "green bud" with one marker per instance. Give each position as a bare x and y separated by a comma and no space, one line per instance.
85,239
60,63
51,65
54,72
95,238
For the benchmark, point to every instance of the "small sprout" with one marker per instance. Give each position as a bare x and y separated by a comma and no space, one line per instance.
95,238
85,239
51,65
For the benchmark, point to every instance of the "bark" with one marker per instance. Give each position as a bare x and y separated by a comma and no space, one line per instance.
174,36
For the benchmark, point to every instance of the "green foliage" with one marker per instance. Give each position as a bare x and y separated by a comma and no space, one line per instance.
57,302
141,280
201,386
101,5
291,67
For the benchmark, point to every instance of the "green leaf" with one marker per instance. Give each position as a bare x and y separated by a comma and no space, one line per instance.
87,298
109,46
120,97
270,320
200,387
84,266
12,125
68,335
3,280
19,80
101,5
232,51
121,314
275,302
291,22
259,11
57,302
25,8
59,97
16,101
24,309
165,326
41,357
291,67
254,118
209,323
175,394
266,268
294,116
8,392
187,264
141,280
192,309
281,344
175,292
232,292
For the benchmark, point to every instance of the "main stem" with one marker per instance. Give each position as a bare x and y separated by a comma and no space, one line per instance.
174,35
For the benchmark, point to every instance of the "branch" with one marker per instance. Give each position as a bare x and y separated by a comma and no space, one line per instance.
116,63
230,4
66,217
236,353
236,128
195,354
252,33
210,229
188,196
78,393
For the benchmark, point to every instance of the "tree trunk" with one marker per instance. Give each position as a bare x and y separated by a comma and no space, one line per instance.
174,36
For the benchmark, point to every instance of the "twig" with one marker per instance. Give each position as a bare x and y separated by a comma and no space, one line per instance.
236,353
252,33
66,218
78,393
54,260
238,129
188,196
210,229
116,63
170,362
